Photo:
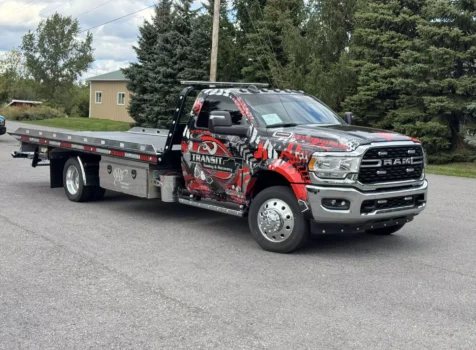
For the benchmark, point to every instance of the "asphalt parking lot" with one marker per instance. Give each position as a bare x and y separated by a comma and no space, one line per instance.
135,274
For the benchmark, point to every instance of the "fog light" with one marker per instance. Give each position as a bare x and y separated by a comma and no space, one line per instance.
336,204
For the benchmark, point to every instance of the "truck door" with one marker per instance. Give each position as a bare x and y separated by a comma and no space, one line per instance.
215,166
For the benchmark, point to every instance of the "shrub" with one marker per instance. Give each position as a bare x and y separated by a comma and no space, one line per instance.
444,158
31,113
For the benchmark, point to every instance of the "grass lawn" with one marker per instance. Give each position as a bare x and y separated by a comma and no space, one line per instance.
83,124
455,169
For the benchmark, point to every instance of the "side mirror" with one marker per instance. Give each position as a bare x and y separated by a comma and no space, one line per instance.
220,123
349,118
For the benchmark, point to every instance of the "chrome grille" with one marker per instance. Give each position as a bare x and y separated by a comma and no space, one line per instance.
390,164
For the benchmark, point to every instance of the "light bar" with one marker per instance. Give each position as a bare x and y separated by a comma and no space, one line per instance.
221,83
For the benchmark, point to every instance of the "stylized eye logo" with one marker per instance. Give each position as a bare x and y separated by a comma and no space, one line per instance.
206,147
119,174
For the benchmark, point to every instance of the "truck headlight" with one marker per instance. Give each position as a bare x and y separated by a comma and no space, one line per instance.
2,122
334,167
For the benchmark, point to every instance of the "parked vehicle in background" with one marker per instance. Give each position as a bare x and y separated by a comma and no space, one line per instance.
280,157
3,126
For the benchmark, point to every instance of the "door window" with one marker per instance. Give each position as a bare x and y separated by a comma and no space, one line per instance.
218,103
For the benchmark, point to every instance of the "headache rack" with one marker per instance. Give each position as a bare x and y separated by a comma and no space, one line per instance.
221,84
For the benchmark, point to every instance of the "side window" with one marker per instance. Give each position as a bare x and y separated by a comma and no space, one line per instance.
218,103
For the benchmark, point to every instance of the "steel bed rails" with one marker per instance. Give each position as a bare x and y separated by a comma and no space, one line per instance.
143,144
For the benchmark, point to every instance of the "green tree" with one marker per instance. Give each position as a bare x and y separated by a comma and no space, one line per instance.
174,46
55,56
383,30
266,40
437,75
316,51
230,56
141,78
80,100
15,83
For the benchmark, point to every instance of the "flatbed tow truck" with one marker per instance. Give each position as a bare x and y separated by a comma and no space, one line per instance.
280,157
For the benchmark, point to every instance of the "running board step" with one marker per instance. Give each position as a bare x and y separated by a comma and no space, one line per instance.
220,209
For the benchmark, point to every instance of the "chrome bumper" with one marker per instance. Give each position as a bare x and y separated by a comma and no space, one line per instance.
356,198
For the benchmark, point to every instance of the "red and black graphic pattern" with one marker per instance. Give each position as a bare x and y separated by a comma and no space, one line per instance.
225,167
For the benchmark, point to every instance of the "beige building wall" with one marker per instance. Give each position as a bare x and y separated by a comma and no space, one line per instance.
109,107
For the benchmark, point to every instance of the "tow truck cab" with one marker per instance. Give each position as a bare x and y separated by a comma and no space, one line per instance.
280,157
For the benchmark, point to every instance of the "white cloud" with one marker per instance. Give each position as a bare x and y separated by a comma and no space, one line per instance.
112,42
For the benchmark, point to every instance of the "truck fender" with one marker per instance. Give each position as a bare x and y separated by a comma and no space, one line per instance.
285,174
82,170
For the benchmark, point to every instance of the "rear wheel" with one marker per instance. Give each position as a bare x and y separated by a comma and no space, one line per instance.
73,182
385,231
276,221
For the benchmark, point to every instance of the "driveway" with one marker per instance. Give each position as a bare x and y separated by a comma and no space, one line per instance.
127,273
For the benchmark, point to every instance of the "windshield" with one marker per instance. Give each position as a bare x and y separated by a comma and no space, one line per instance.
274,110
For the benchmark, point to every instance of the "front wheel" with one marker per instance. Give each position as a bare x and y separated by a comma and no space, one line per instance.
276,221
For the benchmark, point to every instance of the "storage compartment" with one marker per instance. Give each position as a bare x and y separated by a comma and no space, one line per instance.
134,178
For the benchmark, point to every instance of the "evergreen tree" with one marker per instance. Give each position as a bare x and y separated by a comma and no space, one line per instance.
230,58
193,42
174,46
147,105
316,51
437,75
265,47
138,74
383,30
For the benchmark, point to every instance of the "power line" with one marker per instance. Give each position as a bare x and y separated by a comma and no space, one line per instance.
116,19
57,7
25,7
83,13
29,2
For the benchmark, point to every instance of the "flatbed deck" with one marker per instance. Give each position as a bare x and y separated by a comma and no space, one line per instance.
143,140
143,144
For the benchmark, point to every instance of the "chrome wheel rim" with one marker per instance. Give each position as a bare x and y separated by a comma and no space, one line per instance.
275,220
72,179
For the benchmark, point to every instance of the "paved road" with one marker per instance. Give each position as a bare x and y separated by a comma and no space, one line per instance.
132,274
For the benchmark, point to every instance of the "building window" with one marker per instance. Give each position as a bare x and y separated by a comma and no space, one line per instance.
98,96
121,98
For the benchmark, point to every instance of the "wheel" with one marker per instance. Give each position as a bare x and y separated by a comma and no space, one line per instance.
276,221
73,182
385,231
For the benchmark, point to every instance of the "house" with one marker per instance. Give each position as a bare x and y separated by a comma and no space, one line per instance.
23,103
108,97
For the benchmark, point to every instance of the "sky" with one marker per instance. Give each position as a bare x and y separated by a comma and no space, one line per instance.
112,42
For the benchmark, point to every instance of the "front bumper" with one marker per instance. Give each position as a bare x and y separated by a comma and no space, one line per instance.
355,214
3,130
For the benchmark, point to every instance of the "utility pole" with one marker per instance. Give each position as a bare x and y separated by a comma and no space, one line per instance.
216,28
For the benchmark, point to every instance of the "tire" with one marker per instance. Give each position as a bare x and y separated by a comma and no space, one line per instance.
73,182
282,227
385,231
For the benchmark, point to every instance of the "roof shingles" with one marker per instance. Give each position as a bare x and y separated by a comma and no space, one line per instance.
116,75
